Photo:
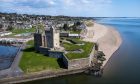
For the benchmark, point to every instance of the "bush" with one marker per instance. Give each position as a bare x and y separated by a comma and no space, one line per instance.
102,59
99,54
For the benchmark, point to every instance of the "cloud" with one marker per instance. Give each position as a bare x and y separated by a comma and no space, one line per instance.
54,7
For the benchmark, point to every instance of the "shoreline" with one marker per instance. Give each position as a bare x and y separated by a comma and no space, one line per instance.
107,37
109,41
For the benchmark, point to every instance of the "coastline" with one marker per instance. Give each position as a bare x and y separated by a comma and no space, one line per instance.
107,37
109,41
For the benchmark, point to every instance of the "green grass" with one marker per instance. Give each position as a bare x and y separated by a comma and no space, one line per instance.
31,42
34,62
76,32
87,47
19,31
70,47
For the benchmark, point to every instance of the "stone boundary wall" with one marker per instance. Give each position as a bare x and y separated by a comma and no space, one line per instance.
40,75
82,62
65,61
43,50
55,54
91,56
78,63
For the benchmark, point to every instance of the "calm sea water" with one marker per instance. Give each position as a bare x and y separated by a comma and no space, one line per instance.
124,65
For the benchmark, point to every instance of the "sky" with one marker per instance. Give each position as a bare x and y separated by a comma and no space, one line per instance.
88,8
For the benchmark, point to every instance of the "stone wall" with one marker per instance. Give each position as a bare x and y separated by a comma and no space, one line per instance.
43,50
91,56
74,66
78,63
55,54
70,64
81,63
65,60
40,75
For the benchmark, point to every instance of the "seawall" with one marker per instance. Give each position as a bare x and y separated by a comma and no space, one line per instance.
41,75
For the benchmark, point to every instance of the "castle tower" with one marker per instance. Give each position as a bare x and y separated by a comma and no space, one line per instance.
52,38
37,40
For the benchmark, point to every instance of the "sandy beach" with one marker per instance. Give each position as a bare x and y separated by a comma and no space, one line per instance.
108,38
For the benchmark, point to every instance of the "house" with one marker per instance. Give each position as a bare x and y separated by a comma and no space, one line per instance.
74,35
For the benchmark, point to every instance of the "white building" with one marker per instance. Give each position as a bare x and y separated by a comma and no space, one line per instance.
5,33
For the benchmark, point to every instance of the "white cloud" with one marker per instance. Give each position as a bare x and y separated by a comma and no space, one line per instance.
51,2
67,7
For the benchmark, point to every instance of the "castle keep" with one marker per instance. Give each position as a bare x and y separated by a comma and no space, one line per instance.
49,39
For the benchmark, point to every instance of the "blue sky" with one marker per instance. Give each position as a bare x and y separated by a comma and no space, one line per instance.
93,8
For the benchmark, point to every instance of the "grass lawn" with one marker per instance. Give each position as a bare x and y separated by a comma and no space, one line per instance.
33,62
19,31
87,47
76,32
31,42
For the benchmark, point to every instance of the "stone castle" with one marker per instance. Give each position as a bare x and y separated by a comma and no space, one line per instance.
48,43
49,39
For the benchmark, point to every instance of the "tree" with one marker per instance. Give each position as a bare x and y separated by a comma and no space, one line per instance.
65,27
10,28
41,26
99,54
78,23
74,28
